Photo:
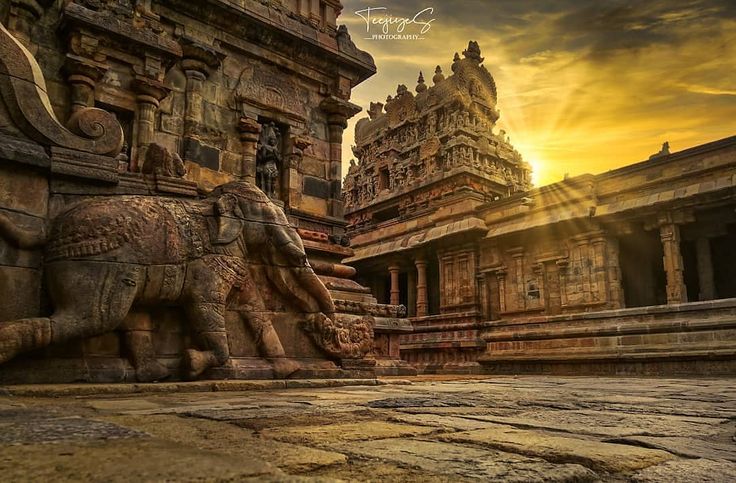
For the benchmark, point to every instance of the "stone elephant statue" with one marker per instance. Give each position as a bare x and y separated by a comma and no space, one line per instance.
103,255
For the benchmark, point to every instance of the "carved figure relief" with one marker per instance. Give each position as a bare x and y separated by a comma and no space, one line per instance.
264,86
103,256
268,159
161,162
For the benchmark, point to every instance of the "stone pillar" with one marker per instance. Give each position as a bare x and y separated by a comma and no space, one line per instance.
422,302
193,96
149,94
482,284
562,266
538,270
501,278
82,76
552,300
292,170
336,125
600,284
674,269
197,62
394,271
249,130
338,112
314,17
519,297
613,268
705,269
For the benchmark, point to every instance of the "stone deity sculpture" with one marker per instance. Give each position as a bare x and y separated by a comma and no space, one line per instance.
268,159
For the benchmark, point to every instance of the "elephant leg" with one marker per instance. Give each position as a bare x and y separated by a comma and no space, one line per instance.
252,312
91,298
208,323
143,357
138,340
269,344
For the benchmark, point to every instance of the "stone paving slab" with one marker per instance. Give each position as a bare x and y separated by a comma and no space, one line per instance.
688,471
124,461
687,447
469,462
608,457
610,423
335,434
232,440
63,430
432,430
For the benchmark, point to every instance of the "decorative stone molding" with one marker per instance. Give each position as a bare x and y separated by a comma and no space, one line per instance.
24,91
83,74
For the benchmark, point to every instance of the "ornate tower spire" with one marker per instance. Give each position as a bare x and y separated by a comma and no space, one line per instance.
438,75
421,86
473,52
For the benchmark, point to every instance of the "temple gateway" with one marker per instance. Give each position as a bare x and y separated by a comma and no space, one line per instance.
172,206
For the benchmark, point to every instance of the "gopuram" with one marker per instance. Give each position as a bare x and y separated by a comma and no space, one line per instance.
632,271
170,200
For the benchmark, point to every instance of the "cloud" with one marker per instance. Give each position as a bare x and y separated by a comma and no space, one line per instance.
581,88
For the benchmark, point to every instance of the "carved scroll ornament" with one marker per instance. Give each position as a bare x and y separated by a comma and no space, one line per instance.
24,91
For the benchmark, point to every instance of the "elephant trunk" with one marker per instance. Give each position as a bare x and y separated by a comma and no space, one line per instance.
302,286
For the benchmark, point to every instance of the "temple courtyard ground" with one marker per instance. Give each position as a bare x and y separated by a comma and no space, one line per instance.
424,429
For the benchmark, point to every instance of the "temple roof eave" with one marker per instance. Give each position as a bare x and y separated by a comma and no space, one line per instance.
419,239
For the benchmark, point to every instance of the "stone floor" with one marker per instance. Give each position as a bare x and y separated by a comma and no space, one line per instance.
431,429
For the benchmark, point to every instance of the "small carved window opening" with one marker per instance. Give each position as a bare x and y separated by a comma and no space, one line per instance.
532,290
383,179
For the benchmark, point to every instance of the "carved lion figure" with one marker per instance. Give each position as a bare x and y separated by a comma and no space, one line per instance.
104,255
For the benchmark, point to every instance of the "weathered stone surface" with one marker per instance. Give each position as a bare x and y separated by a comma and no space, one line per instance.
601,456
112,461
687,471
233,440
468,462
686,447
329,431
611,423
332,434
444,422
61,430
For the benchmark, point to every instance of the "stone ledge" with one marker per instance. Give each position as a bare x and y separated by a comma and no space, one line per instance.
626,312
65,390
615,328
634,354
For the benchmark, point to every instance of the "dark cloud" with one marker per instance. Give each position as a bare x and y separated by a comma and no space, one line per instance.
609,27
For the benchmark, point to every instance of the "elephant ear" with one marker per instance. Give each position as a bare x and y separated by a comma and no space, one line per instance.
229,218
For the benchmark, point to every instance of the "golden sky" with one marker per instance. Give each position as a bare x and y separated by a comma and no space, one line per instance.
583,87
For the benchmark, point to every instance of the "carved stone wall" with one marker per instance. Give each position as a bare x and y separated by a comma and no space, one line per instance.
183,89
